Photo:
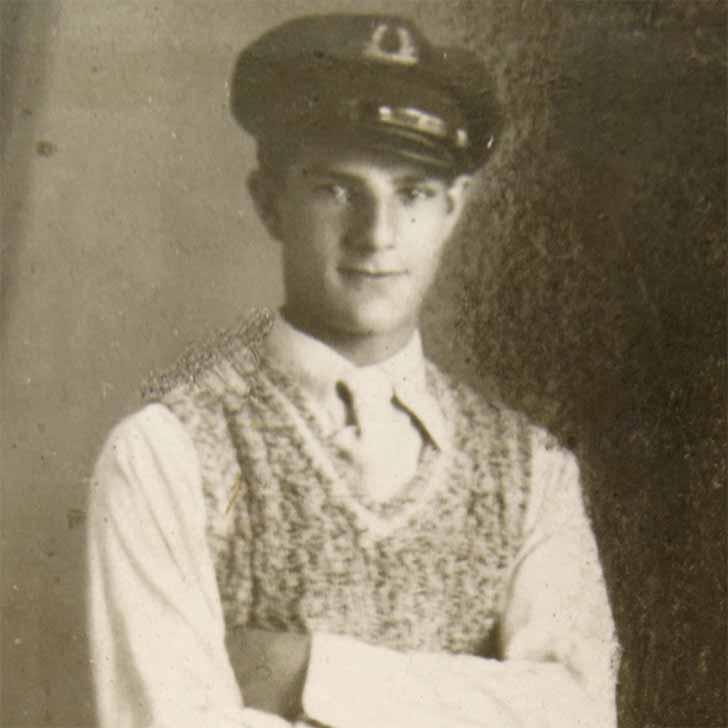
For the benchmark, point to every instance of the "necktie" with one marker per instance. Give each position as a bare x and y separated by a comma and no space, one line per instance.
382,443
369,395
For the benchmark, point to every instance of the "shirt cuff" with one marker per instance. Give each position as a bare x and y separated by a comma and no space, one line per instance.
343,683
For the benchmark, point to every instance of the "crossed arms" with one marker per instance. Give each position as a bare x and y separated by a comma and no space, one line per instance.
162,657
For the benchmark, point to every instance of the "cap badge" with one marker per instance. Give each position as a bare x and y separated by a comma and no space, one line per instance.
394,45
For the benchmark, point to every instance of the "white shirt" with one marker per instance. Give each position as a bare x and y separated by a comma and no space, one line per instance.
158,633
394,414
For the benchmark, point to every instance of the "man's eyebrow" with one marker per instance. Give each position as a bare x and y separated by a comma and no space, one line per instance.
417,178
322,171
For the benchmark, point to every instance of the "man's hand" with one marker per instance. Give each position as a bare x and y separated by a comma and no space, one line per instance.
270,668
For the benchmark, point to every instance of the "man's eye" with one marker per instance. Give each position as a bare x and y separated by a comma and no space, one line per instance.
336,192
416,193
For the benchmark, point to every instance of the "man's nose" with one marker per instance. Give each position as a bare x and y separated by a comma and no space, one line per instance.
376,224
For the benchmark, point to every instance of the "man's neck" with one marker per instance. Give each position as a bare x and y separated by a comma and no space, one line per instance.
360,349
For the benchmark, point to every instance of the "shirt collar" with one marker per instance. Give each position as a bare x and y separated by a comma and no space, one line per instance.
316,368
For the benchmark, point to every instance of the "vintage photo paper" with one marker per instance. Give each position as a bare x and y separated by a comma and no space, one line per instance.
364,363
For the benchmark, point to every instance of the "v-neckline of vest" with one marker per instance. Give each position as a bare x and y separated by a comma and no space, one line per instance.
377,517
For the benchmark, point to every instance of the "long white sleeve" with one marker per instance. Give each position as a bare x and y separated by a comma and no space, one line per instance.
156,625
157,629
557,634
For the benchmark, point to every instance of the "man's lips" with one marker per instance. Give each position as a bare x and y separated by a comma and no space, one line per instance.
371,272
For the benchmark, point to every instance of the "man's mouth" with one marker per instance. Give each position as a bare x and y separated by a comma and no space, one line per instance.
371,272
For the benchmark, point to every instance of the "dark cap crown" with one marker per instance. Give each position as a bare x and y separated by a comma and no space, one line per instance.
375,78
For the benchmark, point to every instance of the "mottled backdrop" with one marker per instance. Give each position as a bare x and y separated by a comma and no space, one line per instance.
587,287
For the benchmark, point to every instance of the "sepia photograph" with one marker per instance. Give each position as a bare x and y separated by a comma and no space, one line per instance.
364,364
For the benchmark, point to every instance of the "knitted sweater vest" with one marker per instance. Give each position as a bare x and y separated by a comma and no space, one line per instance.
297,546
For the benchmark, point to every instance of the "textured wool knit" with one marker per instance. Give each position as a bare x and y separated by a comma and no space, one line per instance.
298,545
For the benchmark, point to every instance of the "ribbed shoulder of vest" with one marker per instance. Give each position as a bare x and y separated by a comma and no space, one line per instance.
476,414
214,369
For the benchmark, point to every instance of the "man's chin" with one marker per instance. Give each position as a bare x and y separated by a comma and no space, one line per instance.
373,324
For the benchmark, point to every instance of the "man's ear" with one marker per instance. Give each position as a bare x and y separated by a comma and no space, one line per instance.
262,191
457,194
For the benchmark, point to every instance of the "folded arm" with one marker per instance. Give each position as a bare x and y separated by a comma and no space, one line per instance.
156,625
558,646
158,635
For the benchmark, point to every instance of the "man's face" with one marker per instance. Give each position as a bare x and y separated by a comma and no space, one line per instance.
362,236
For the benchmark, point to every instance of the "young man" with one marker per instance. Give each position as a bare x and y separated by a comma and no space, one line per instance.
311,523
